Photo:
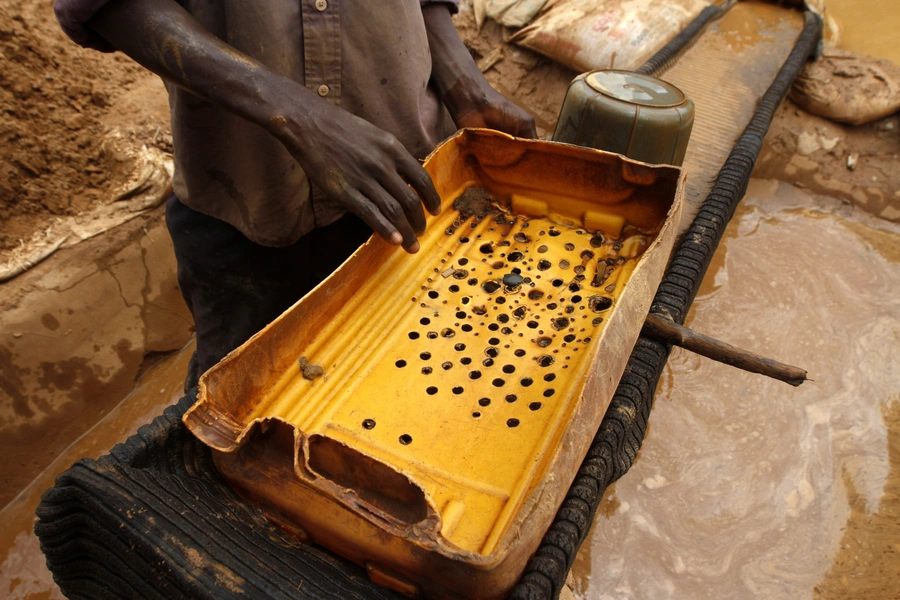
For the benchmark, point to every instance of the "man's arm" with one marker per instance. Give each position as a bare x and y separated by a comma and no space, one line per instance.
468,96
358,165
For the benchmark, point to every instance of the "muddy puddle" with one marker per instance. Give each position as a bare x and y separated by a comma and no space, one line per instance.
868,26
747,487
23,572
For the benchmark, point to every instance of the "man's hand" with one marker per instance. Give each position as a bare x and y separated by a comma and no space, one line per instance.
356,164
361,167
468,96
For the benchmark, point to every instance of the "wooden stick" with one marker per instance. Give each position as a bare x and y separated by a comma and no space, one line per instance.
663,330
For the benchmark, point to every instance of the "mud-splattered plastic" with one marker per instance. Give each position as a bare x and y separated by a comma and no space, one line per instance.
461,385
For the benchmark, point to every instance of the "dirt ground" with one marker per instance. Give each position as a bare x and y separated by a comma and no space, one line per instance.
56,100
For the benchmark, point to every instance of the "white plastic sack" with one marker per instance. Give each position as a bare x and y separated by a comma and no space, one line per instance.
513,13
586,35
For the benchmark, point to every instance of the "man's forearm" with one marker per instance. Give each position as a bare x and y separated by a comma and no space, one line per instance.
454,72
166,39
465,92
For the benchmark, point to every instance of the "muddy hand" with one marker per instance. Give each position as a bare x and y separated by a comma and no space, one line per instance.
482,106
362,168
468,96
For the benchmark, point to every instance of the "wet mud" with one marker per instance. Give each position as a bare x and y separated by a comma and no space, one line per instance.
23,571
746,487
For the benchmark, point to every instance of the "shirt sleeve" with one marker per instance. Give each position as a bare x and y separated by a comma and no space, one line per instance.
453,5
73,16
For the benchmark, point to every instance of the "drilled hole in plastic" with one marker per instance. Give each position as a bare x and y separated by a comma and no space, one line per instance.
433,294
484,401
472,281
459,347
490,286
545,361
425,355
447,332
466,327
453,288
492,352
564,264
544,264
535,406
560,323
426,370
535,295
463,261
465,360
549,376
597,321
486,248
543,341
570,246
599,303
498,382
506,331
549,392
509,369
552,306
554,232
464,240
406,439
424,320
512,422
526,381
576,299
503,318
493,327
500,300
476,415
574,286
368,424
520,353
459,390
475,375
532,324
431,335
488,362
519,313
515,256
570,337
522,238
400,363
431,390
413,335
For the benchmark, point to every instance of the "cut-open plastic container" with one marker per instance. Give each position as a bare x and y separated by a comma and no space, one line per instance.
424,415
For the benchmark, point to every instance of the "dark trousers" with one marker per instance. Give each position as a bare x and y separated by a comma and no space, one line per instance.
235,287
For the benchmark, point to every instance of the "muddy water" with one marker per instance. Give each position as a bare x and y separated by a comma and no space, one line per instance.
747,487
23,572
868,26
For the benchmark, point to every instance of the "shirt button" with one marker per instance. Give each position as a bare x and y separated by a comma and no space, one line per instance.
321,5
323,89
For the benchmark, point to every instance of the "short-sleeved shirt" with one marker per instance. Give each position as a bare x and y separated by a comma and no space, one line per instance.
370,58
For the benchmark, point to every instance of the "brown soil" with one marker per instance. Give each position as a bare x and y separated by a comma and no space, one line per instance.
55,99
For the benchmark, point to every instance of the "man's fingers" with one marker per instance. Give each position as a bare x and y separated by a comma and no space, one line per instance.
394,213
420,180
363,208
408,200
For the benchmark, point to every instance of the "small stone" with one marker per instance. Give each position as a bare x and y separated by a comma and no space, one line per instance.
512,280
852,161
310,371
